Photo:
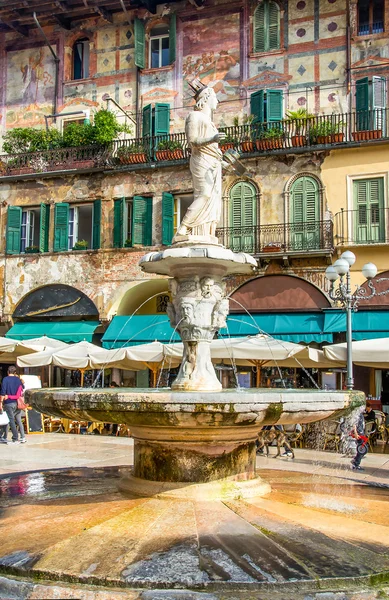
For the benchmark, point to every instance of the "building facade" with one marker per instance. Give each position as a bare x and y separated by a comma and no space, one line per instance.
302,88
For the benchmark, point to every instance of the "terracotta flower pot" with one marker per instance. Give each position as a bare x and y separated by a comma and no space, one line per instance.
270,144
225,147
298,141
162,155
369,134
247,146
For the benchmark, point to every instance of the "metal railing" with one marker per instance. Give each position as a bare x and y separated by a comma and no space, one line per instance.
365,225
280,237
288,135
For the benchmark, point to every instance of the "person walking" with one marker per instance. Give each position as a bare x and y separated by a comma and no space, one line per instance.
8,398
357,433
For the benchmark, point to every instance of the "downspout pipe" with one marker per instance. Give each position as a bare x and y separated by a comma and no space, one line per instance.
56,60
137,75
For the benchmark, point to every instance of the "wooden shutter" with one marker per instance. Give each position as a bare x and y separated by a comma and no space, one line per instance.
172,38
14,224
147,125
44,228
273,28
61,226
142,221
362,103
378,85
167,218
243,217
119,222
96,228
274,105
140,43
369,203
162,119
305,228
257,106
259,29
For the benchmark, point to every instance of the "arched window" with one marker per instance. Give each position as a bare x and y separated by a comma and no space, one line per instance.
81,59
159,46
266,30
243,217
370,16
305,213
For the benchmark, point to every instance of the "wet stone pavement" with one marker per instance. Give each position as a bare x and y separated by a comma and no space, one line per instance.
67,532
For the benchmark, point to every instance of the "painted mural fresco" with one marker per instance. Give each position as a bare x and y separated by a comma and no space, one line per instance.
30,86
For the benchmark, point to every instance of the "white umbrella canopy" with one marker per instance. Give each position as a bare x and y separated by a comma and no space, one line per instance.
136,358
11,349
253,348
368,353
45,343
74,356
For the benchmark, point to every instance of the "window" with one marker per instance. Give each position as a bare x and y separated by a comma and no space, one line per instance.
156,121
27,228
266,27
181,205
132,222
243,217
370,103
81,59
162,44
369,210
267,105
370,16
305,214
75,223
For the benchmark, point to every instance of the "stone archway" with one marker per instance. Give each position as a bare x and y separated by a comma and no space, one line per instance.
55,302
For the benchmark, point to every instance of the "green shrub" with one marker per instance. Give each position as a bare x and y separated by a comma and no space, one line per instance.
28,139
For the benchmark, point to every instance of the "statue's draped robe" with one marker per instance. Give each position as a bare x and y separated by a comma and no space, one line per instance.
205,166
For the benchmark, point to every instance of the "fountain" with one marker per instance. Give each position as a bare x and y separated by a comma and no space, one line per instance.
194,444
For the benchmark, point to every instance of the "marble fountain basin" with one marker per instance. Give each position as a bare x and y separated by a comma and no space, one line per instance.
194,436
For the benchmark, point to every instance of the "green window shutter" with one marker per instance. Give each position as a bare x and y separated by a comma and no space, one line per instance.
96,230
172,38
305,210
378,85
142,221
162,119
273,29
369,204
259,30
167,218
243,217
140,44
14,224
297,204
61,226
119,222
257,106
44,228
147,126
274,105
362,103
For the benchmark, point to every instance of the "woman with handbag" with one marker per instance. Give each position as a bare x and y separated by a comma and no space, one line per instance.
12,398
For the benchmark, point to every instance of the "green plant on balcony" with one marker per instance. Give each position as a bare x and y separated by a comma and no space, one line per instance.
135,153
326,132
229,141
298,119
270,138
32,250
29,139
169,150
249,133
81,245
128,243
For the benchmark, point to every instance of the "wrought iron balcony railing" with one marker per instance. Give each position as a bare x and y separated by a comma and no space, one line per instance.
279,238
279,137
369,224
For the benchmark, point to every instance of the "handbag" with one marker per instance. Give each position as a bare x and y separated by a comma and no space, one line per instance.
4,420
20,403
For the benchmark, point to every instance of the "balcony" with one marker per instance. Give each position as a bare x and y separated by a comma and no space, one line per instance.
262,139
276,240
362,227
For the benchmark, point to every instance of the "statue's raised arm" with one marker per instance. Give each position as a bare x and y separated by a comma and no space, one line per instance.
203,215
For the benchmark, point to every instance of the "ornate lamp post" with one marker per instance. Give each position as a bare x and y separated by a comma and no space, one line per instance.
349,301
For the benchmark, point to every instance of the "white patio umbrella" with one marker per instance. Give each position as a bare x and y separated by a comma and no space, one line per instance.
11,349
45,343
369,353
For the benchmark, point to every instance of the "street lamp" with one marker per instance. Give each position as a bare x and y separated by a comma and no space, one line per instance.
342,293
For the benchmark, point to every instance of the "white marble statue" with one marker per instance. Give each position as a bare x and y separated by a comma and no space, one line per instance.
204,213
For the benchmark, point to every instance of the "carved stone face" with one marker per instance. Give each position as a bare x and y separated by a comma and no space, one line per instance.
206,285
186,311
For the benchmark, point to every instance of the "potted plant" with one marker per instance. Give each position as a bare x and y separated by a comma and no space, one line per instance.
247,144
131,154
81,245
176,151
32,250
272,247
366,134
169,150
228,142
298,119
162,151
128,243
270,139
326,132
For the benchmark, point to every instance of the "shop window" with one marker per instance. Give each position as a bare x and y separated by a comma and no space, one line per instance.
243,217
132,222
75,223
162,44
81,59
370,16
370,103
266,27
28,229
305,213
267,105
369,214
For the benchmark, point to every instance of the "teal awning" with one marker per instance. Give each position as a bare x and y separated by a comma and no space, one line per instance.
66,331
293,327
366,324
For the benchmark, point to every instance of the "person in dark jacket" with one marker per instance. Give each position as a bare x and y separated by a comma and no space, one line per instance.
8,399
